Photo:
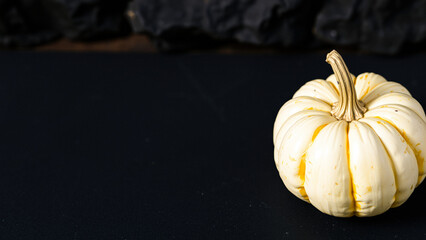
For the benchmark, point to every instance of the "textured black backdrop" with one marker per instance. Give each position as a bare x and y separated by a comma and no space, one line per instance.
132,146
381,26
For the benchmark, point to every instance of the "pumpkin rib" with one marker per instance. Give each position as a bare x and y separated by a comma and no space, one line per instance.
391,162
420,166
295,118
417,152
329,194
367,82
292,120
403,164
393,125
382,89
405,101
320,89
294,158
334,87
281,131
373,177
303,160
291,107
330,80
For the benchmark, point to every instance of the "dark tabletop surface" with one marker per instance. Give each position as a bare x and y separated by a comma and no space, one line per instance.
139,146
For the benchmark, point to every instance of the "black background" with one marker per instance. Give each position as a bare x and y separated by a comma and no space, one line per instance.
137,146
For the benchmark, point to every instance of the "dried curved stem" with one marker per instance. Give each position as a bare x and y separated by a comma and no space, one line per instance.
348,107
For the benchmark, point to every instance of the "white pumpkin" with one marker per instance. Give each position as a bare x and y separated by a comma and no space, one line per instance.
351,146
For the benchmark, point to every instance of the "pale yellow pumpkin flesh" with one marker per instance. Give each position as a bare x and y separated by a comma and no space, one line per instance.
351,146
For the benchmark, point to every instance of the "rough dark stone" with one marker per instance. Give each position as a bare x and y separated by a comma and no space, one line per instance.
32,22
382,26
268,22
24,23
89,19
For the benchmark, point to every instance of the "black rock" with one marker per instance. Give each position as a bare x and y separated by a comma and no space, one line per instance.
25,23
189,23
382,26
88,19
32,22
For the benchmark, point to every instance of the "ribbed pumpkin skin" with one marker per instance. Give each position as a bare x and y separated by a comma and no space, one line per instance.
345,168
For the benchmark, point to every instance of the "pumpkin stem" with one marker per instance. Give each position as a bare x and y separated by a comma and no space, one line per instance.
348,107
